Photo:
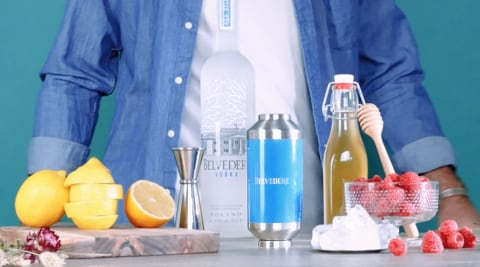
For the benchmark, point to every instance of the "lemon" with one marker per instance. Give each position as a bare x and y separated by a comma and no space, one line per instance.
93,202
91,208
83,192
148,204
95,163
95,222
41,197
92,172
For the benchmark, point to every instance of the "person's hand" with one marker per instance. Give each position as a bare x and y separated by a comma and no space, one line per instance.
458,207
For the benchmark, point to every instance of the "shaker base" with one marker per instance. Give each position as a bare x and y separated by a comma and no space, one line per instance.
274,243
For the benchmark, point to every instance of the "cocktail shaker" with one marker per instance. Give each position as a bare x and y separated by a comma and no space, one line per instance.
275,180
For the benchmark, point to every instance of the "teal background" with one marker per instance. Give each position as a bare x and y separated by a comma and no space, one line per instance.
448,34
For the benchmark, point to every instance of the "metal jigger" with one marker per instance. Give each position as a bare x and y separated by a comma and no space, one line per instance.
189,211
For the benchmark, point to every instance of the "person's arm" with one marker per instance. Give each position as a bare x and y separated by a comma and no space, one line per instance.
79,70
455,206
391,76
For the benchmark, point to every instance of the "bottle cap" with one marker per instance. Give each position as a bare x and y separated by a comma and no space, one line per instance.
343,81
343,78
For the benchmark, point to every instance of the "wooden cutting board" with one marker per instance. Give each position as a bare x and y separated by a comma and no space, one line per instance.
124,241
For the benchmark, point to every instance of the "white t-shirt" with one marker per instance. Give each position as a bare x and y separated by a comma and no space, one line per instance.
268,37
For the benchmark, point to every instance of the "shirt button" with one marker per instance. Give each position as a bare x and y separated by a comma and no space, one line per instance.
178,80
188,25
171,133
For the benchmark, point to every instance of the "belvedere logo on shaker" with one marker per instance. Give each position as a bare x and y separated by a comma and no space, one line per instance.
227,100
275,180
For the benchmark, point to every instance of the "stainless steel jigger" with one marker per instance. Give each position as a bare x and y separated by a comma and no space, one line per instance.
189,210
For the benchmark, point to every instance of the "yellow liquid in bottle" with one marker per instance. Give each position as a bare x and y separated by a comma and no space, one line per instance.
345,159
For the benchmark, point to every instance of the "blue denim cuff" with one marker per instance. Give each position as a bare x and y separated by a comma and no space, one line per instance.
55,154
425,155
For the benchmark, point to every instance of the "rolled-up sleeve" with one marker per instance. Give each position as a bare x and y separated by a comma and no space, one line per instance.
392,78
80,69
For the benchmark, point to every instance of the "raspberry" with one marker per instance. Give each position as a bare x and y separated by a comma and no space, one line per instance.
358,185
442,236
375,179
395,195
397,247
470,239
410,181
454,240
383,207
406,209
431,243
388,198
389,180
393,177
368,200
448,226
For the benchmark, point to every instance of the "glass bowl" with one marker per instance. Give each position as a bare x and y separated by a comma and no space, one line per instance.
395,203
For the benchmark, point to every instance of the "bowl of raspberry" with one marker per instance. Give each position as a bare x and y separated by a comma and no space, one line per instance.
398,198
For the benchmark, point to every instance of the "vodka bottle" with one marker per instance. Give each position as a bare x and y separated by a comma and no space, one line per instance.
227,104
345,156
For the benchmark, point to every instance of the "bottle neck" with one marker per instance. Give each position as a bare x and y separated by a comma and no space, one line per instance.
344,101
345,124
227,38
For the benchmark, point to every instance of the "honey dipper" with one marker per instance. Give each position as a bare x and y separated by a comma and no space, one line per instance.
371,123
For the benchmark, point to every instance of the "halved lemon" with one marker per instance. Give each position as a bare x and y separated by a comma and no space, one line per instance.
102,222
148,204
84,192
91,208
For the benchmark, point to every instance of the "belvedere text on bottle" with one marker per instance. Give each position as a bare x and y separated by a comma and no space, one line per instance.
227,102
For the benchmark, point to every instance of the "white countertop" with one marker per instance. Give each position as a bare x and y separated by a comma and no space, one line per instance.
245,252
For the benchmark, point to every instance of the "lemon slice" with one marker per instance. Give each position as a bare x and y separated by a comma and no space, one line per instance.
84,175
95,163
84,192
95,222
148,204
91,208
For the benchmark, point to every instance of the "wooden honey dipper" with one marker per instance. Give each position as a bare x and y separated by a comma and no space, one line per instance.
371,123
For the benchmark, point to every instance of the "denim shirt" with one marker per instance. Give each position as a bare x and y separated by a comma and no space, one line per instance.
143,50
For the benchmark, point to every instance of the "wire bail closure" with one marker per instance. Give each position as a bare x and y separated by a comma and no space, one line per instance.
327,108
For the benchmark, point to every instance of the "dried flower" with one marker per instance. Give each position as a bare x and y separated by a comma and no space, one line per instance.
3,258
51,259
44,240
18,260
41,246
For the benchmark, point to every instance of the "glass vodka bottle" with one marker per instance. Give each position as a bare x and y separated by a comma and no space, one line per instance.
227,102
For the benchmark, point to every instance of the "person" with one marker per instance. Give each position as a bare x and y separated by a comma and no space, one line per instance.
150,53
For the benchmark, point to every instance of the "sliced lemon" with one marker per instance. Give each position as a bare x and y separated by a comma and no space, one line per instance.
95,163
89,176
84,192
148,204
91,208
95,222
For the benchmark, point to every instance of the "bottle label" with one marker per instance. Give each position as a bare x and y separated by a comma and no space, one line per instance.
275,180
222,183
226,15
